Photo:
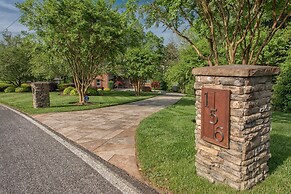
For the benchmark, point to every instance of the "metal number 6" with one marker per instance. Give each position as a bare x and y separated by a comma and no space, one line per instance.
214,116
218,136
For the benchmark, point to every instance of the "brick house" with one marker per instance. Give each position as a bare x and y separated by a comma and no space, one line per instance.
102,81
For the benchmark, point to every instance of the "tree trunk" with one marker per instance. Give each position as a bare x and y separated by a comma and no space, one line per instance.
231,54
81,97
19,83
81,91
138,88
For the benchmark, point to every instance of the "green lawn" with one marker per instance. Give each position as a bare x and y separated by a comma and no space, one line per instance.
165,143
62,103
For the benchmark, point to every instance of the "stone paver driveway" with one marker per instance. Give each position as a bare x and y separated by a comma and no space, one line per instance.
108,132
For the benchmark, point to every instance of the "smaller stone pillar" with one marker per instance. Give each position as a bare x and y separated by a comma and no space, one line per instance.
233,123
41,95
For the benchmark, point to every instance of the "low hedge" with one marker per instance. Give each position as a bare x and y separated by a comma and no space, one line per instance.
9,89
68,90
53,86
92,92
3,86
27,87
74,92
22,89
61,87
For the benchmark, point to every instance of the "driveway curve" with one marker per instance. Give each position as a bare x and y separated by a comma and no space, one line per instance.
108,132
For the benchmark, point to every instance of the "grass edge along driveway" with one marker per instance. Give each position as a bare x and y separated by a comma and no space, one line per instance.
166,154
63,103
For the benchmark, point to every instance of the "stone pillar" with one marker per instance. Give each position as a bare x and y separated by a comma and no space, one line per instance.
41,95
242,161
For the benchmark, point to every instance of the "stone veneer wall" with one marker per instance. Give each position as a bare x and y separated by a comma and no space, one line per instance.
244,164
40,93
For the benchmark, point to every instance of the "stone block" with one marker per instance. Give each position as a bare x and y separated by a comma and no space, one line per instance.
208,150
207,79
231,81
40,93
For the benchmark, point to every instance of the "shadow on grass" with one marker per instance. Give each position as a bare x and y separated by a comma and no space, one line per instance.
123,93
281,117
280,150
189,101
75,104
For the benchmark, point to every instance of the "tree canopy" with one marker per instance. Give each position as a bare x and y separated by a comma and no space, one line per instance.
142,62
85,34
15,55
242,28
46,66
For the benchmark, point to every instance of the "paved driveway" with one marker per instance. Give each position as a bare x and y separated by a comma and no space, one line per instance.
35,160
108,132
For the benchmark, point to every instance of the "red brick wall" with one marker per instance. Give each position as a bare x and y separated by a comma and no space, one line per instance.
104,81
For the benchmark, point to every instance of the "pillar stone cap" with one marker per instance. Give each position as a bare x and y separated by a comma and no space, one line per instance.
237,71
39,83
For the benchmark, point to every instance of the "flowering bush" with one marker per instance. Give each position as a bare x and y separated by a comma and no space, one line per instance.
118,83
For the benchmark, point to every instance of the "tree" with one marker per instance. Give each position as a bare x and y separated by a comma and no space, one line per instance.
142,62
140,65
85,34
282,90
276,52
233,25
171,55
15,54
46,66
181,71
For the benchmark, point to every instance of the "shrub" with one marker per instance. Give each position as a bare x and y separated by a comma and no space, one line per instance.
92,92
118,84
22,89
62,87
282,90
189,88
164,85
111,84
107,89
74,92
53,86
3,86
9,89
27,87
146,89
68,90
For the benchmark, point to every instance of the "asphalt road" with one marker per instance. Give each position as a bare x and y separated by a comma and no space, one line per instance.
35,160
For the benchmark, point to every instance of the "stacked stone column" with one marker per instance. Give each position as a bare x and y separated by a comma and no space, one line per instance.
244,163
41,95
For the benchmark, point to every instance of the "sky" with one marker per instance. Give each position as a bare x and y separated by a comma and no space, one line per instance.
9,19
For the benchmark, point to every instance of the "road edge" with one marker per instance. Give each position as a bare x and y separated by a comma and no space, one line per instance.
116,177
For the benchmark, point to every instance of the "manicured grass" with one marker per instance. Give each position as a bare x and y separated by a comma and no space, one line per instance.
62,103
166,154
